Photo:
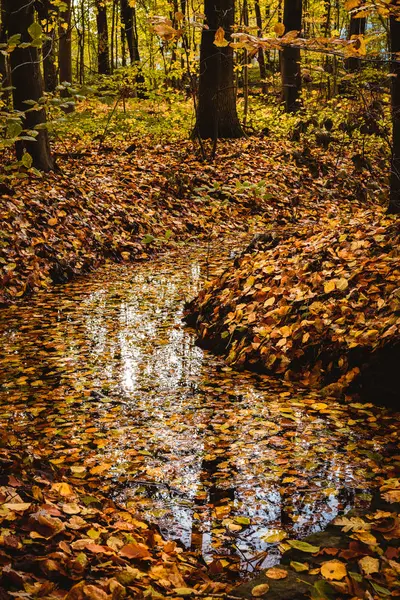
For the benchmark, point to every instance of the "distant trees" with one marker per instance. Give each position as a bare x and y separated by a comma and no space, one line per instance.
26,78
217,115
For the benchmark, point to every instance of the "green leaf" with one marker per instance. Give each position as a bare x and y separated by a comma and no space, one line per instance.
148,238
298,566
35,30
224,334
356,576
27,160
242,520
380,590
323,590
303,546
14,40
14,128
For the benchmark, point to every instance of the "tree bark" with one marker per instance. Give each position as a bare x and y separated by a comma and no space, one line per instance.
356,27
27,82
103,49
216,115
394,201
290,62
261,57
4,71
128,18
48,49
65,44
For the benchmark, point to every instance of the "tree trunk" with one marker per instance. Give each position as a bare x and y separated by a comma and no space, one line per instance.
65,44
27,82
357,27
4,71
261,57
290,62
48,49
216,115
394,202
103,51
128,18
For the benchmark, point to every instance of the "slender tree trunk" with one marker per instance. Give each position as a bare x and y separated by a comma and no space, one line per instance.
290,61
4,71
216,115
123,46
112,49
81,44
103,49
394,202
65,44
27,82
261,57
48,49
356,27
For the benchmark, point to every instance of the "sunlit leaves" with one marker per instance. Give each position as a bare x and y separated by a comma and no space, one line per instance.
219,39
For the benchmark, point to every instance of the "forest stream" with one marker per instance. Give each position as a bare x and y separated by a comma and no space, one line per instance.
102,377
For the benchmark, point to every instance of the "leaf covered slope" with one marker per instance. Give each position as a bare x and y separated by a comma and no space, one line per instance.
313,302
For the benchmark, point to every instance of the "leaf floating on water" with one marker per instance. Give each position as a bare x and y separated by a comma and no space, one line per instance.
303,546
274,536
299,567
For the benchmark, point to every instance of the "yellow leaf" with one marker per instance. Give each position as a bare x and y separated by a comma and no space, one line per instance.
285,331
276,573
342,284
219,39
64,489
17,506
369,565
100,468
365,537
350,4
333,569
279,29
392,496
260,590
274,536
52,221
329,286
270,301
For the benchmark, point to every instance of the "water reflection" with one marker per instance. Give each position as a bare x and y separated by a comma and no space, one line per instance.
101,373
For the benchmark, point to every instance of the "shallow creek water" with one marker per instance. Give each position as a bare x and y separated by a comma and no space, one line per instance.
101,377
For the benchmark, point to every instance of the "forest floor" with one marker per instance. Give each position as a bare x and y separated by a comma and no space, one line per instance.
76,349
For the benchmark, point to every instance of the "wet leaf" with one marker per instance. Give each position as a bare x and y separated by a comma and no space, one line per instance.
260,590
